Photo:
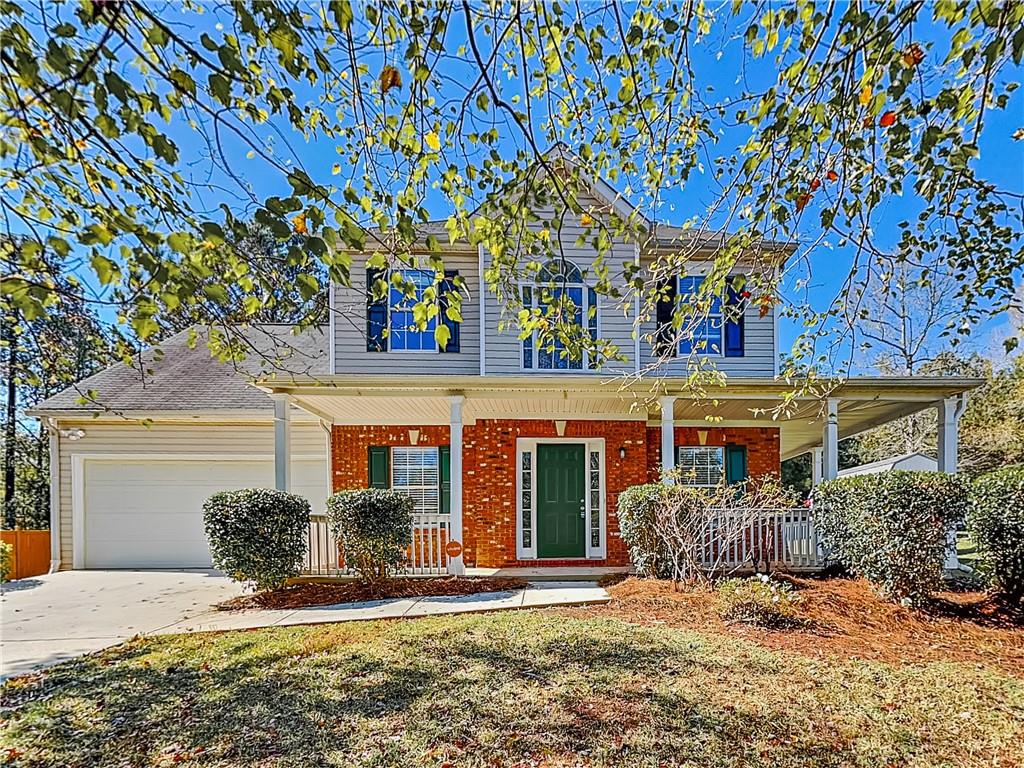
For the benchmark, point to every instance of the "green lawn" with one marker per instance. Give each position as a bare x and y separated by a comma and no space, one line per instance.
507,689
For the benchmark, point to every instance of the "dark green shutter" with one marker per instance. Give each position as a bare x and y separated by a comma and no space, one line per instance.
380,470
447,287
444,458
734,308
665,334
376,312
735,464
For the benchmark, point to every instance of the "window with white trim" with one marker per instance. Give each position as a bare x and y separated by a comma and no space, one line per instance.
706,338
560,282
701,466
405,334
416,471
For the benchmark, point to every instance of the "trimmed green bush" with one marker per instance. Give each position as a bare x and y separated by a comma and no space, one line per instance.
892,528
996,524
374,527
760,601
6,560
637,515
257,535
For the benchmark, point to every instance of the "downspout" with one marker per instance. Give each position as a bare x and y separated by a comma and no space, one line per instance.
327,428
51,425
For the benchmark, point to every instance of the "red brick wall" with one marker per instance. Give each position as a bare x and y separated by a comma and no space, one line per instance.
489,493
350,465
489,458
763,457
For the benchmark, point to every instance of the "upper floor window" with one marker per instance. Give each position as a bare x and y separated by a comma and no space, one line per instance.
714,327
404,333
706,335
401,320
560,287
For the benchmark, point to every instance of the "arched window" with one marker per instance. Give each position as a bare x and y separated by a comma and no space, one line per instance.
559,271
559,280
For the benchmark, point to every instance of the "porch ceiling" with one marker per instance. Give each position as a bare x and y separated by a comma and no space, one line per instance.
863,403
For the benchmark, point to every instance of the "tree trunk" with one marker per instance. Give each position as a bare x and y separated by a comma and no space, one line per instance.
10,425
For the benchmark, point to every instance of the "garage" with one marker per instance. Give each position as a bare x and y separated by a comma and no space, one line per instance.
147,512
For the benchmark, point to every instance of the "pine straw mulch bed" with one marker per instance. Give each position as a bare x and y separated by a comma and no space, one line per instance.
308,594
844,619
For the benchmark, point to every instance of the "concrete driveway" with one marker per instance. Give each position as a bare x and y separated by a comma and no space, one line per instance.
48,619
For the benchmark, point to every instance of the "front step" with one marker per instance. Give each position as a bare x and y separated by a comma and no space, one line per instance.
547,574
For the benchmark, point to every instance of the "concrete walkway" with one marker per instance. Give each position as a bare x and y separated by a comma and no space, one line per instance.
536,595
52,618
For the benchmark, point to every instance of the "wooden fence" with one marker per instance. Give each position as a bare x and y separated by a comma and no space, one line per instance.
31,552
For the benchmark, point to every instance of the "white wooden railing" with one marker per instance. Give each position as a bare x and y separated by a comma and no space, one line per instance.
426,554
776,539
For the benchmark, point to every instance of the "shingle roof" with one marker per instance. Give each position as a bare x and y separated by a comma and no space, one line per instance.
177,376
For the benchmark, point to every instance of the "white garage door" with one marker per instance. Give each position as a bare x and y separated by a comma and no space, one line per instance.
148,513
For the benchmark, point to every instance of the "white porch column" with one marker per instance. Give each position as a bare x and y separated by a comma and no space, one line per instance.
456,565
668,437
282,442
816,466
830,440
950,410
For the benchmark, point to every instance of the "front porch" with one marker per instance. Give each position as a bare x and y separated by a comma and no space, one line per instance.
525,474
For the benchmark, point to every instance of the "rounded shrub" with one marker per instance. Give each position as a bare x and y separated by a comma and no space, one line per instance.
6,560
374,528
637,512
996,524
257,535
892,528
759,601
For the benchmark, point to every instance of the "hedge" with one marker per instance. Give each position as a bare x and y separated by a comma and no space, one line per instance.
892,528
636,512
257,535
996,523
6,560
374,527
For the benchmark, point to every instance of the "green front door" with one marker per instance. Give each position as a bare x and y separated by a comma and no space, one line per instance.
561,527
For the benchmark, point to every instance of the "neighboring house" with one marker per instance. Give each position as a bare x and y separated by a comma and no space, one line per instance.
915,462
515,456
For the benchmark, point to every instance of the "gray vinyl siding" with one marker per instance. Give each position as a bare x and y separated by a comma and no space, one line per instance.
256,438
503,348
350,354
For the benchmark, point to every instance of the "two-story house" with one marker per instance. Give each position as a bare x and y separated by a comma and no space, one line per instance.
514,455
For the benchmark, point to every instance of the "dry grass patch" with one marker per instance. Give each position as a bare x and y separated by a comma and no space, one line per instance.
503,690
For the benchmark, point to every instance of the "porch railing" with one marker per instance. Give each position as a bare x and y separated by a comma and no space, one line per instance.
772,539
425,556
775,539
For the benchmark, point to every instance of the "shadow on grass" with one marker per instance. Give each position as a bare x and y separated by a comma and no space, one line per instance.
473,690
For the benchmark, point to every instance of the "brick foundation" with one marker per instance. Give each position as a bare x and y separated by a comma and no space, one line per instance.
489,472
